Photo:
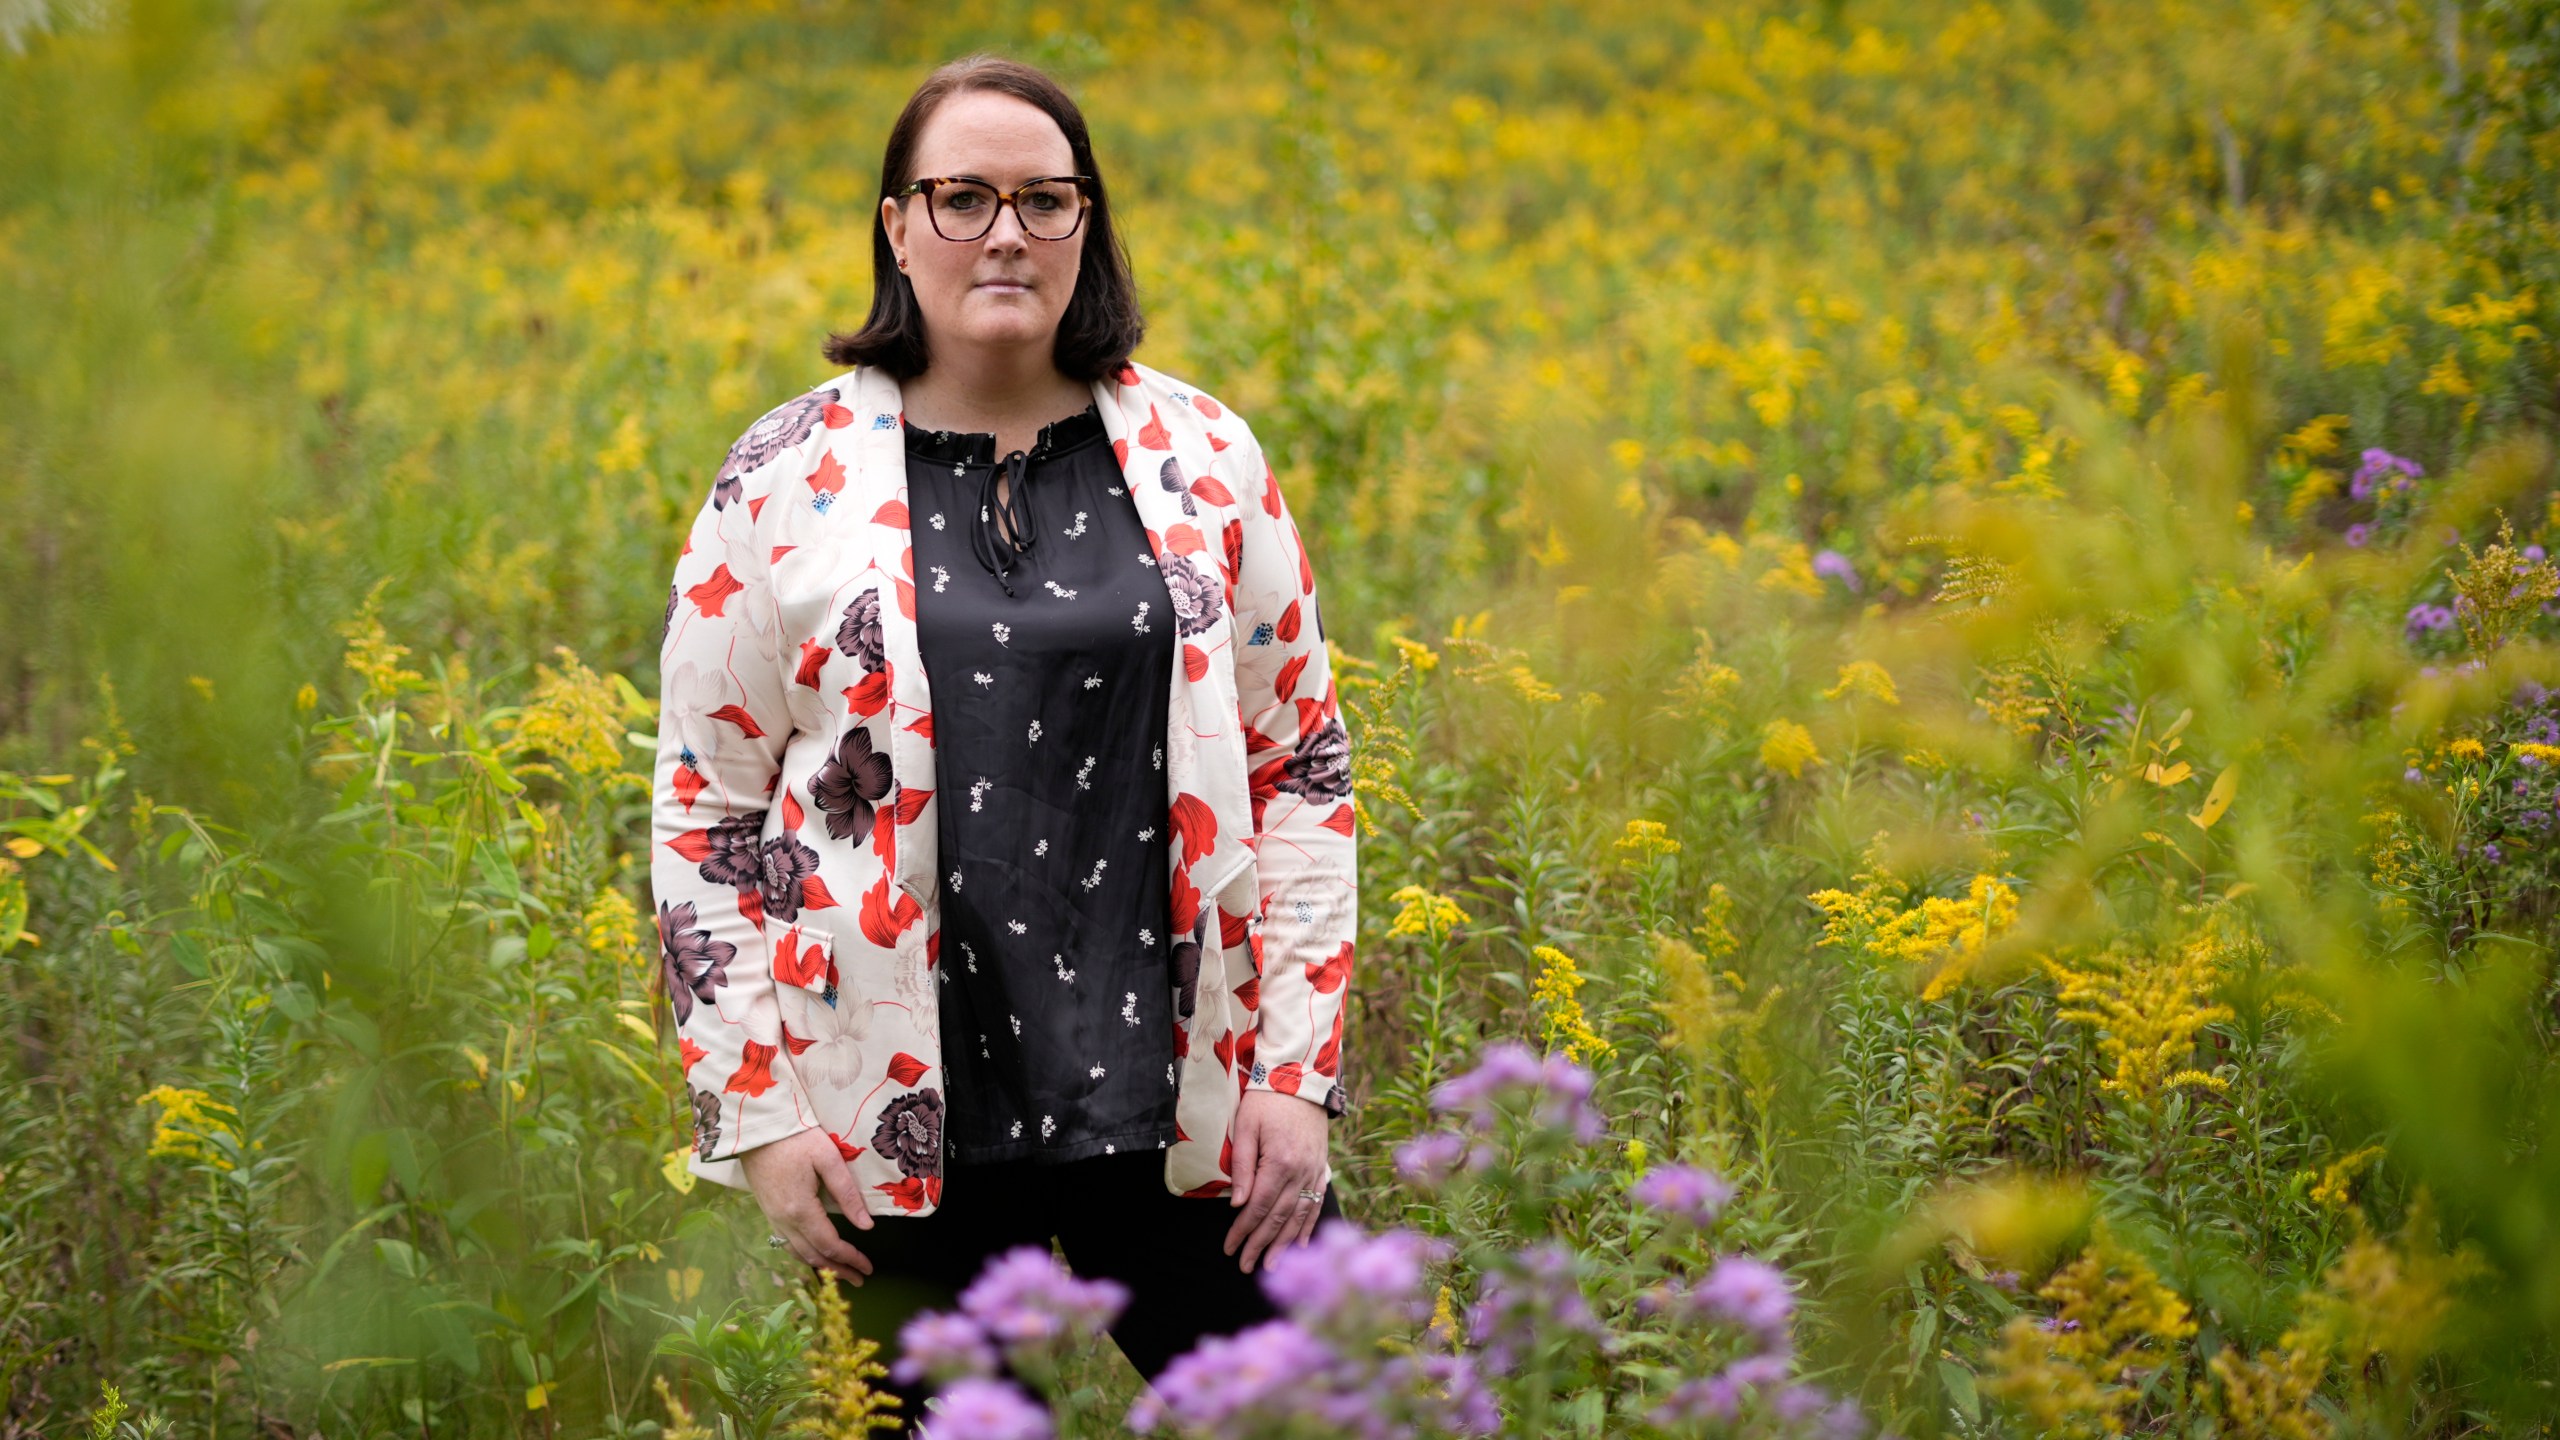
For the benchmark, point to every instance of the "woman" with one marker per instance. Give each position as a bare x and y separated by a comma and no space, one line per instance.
1004,855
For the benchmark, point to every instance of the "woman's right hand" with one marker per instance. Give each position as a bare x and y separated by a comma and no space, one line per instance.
787,1177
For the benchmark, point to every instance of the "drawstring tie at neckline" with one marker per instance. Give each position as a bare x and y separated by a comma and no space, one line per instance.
1005,529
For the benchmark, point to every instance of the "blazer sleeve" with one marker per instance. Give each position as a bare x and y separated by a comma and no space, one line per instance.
1299,757
724,720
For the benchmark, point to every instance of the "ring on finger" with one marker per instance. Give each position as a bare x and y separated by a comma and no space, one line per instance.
776,1241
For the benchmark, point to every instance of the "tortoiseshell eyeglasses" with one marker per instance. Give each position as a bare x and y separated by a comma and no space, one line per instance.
963,207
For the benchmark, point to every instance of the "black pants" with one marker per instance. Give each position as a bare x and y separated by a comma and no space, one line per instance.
1114,1219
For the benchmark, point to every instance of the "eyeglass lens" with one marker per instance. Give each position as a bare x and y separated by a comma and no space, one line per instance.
966,210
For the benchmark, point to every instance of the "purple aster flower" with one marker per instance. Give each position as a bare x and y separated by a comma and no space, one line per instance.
2424,618
1833,564
2382,471
1535,1296
942,1346
1024,1297
2414,775
2004,1280
1710,1399
1566,1104
2491,853
1683,1193
1509,1069
2359,533
2535,819
1344,1280
1429,1160
1505,1066
980,1409
1467,1406
1750,1293
1257,1373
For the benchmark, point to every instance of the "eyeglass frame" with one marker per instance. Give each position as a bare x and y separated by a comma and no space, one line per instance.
1084,188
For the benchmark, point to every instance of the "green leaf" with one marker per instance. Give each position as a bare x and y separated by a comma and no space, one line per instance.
1959,1383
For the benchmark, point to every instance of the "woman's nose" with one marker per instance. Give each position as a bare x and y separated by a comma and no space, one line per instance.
1007,232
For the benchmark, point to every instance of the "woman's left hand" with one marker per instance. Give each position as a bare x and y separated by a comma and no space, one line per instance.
1279,1151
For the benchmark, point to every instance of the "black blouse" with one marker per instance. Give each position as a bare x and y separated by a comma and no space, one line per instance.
1051,668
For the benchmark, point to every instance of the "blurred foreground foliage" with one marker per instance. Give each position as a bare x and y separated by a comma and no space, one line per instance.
1954,595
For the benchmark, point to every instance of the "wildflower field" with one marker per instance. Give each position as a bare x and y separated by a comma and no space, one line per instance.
1944,609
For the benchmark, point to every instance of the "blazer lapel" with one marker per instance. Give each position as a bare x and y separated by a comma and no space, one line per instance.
882,485
1161,456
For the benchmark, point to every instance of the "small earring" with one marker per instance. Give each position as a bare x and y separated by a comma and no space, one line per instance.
902,262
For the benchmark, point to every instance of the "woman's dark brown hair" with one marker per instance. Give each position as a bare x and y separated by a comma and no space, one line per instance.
1101,326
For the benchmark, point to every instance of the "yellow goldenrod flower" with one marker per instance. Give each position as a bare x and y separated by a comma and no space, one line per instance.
187,1124
1424,913
612,928
1561,1018
1715,937
2115,1324
1525,683
371,655
1864,677
1419,655
1945,933
2337,1181
1788,747
1645,839
2467,748
575,715
2148,1010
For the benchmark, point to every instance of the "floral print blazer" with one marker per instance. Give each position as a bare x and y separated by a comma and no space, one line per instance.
792,820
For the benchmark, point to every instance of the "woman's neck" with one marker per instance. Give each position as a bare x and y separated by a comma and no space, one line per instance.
1012,401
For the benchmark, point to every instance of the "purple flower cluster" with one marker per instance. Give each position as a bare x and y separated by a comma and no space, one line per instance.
1683,1194
1345,1282
1747,1293
1429,1160
2382,475
977,1409
1836,566
2424,618
942,1347
1025,1300
1321,1366
1508,1069
1797,1409
1535,1295
1256,1373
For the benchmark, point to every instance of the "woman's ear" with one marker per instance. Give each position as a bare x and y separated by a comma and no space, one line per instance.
893,218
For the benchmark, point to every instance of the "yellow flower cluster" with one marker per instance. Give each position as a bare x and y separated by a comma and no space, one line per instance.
612,929
578,716
1560,1017
189,1123
1426,913
372,656
1867,678
1645,839
1787,747
2148,1009
2078,1371
1947,935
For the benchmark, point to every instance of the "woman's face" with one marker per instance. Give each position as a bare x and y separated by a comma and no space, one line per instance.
1004,288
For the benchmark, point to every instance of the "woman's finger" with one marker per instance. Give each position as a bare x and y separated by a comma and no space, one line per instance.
1280,1192
838,1180
820,1232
